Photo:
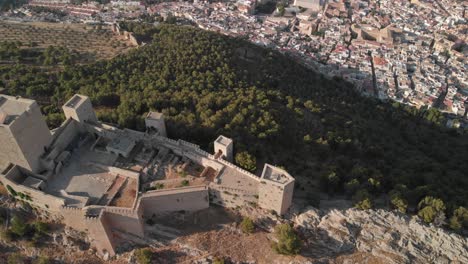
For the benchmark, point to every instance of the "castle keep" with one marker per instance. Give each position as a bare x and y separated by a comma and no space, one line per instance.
105,181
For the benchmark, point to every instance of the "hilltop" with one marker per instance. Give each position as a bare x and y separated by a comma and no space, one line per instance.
333,140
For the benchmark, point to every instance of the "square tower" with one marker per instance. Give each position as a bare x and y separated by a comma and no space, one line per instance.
79,107
276,189
225,146
155,120
24,134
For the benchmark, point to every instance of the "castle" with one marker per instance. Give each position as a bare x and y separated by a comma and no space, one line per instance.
107,181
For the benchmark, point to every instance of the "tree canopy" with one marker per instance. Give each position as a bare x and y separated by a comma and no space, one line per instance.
275,109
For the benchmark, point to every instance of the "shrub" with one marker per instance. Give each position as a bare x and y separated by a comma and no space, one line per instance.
288,241
150,221
218,261
362,200
247,225
41,227
18,226
15,258
365,204
352,186
12,191
313,198
43,260
143,256
159,186
459,219
7,235
185,183
399,203
431,210
246,161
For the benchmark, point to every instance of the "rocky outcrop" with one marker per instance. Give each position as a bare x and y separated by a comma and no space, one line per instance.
387,237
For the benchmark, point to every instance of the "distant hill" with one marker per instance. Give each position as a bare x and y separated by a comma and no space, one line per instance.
322,131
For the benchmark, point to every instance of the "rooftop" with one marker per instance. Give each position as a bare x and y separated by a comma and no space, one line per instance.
223,140
75,101
11,107
275,174
155,115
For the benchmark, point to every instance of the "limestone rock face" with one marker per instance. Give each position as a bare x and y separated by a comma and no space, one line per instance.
387,237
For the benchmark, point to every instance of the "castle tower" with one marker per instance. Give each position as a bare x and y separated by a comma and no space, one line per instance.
155,120
79,107
225,146
276,189
24,134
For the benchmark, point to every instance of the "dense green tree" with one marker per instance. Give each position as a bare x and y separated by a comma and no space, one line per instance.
19,226
459,219
288,241
247,225
431,210
143,256
273,107
42,260
399,203
246,161
352,186
362,200
16,258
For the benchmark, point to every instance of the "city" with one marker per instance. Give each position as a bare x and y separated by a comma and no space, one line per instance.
416,50
233,131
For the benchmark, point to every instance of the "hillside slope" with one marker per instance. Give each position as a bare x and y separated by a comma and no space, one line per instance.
325,134
377,236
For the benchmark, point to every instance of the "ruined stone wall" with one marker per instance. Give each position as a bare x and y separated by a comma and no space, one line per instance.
188,198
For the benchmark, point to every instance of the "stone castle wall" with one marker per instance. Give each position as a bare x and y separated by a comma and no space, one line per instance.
274,196
127,221
187,198
38,198
101,234
230,197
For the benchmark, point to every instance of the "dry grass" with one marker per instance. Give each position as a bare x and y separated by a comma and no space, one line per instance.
3,190
126,196
85,39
